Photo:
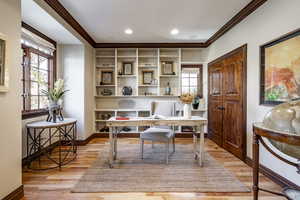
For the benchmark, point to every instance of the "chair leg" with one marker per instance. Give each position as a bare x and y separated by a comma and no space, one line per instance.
173,144
167,152
142,148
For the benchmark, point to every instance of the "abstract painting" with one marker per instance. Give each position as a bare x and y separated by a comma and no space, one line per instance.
280,69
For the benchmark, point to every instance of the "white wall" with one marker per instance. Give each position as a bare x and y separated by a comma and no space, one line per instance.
273,19
89,53
10,102
73,74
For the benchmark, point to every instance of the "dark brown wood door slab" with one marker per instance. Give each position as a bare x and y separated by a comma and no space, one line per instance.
215,113
227,102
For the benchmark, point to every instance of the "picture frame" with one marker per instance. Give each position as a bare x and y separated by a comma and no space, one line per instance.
167,67
280,69
107,77
4,76
147,77
127,68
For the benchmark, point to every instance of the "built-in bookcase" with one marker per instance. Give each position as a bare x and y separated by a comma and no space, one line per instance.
163,65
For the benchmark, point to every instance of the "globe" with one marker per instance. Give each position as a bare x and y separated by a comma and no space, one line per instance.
285,118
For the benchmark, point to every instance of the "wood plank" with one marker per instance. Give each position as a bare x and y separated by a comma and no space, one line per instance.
55,184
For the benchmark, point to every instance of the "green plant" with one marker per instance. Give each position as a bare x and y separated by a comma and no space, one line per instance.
196,100
57,92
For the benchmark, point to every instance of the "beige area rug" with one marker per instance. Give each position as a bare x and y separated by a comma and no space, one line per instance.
131,174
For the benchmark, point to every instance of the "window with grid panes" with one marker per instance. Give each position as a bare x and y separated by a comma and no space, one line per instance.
191,80
37,67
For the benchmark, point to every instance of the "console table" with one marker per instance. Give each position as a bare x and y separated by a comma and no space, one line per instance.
260,131
55,141
116,126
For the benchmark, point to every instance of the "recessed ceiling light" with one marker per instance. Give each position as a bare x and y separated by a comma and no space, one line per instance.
128,31
174,31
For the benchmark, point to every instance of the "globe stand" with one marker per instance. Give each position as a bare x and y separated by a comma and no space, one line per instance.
260,131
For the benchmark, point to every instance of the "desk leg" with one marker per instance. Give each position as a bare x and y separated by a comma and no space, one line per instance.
195,145
115,142
111,149
201,147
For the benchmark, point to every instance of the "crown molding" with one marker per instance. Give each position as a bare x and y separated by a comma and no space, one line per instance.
38,33
150,45
240,16
64,13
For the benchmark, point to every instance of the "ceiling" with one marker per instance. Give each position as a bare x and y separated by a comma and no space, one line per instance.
151,20
35,16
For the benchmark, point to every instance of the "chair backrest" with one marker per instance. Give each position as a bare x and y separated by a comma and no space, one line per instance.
164,108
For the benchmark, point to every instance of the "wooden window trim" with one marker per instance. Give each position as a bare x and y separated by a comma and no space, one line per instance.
51,72
200,66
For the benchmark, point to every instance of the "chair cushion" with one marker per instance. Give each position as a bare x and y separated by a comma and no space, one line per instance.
157,134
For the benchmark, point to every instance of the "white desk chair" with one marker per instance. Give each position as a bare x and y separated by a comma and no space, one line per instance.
160,133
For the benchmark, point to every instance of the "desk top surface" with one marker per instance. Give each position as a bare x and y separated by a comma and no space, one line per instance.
194,118
45,124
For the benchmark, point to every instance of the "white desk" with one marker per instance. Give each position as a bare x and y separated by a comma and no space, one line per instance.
146,121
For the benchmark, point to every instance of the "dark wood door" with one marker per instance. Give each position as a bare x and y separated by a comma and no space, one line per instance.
215,113
227,101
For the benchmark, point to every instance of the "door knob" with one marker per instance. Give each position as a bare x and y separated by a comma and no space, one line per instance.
221,108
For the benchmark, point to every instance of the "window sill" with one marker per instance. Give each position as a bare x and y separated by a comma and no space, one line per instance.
33,114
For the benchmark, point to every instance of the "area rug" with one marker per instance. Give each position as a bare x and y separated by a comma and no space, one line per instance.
182,174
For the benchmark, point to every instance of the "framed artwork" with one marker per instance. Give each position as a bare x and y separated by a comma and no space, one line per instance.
280,69
127,68
167,68
107,78
147,77
3,68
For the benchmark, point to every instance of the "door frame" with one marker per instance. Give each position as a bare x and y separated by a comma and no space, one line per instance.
244,92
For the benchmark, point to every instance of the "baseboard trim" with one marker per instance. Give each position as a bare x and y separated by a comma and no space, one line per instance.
276,178
17,194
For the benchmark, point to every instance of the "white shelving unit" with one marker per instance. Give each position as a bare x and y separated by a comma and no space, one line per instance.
142,60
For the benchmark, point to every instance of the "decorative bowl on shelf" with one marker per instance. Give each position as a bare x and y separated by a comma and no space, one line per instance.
285,118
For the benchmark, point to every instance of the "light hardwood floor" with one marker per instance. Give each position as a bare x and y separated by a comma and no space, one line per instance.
55,184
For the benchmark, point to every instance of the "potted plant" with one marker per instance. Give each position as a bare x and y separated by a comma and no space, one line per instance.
196,102
54,97
187,99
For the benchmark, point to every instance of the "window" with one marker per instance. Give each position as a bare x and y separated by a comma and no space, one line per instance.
38,74
191,79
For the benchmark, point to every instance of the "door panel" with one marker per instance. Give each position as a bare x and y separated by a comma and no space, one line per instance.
216,102
227,101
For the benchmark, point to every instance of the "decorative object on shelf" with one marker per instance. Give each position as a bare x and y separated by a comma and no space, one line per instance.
167,68
186,129
105,116
280,74
126,129
54,96
147,77
106,92
127,91
104,129
196,102
149,94
187,99
3,68
127,68
168,89
107,77
154,82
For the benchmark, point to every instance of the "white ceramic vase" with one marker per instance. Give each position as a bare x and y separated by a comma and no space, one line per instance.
187,111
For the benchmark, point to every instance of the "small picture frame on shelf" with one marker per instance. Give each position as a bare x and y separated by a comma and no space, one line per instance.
127,68
167,68
107,78
147,77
